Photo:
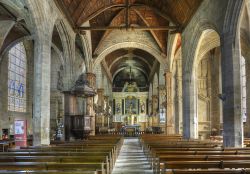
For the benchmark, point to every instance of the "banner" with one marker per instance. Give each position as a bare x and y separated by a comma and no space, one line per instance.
21,133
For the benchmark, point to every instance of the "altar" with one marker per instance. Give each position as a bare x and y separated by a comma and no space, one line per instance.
130,120
135,127
130,107
131,130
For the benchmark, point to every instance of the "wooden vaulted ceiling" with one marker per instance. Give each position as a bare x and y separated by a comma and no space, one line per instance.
151,15
141,13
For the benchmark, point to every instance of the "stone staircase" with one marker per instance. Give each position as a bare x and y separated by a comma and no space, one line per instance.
131,159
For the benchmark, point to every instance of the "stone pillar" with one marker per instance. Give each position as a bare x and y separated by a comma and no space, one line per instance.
169,129
178,110
41,96
90,101
231,90
107,110
150,113
189,116
100,103
247,124
215,90
100,93
162,96
155,120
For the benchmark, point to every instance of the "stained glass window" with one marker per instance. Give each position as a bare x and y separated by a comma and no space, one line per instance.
17,79
243,89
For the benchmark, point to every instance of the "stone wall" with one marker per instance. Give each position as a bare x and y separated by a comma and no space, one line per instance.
7,117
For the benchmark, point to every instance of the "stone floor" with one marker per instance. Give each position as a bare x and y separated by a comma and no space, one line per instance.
131,159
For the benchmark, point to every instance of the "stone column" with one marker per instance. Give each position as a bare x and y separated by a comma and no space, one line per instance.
169,129
247,124
100,103
90,101
178,113
190,124
215,90
107,111
41,96
162,96
231,90
155,119
100,93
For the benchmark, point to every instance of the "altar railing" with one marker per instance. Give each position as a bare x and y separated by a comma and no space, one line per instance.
129,133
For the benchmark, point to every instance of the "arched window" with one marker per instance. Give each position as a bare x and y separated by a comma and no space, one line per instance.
17,79
243,89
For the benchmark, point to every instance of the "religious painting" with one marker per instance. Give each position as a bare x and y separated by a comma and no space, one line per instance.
131,105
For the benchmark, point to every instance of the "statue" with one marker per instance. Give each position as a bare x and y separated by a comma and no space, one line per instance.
143,107
88,109
130,108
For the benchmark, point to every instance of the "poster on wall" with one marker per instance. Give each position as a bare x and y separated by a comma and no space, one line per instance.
21,133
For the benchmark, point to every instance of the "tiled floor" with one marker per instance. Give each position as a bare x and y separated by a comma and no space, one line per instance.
131,159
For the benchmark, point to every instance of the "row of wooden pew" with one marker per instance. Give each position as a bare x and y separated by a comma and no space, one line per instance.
97,155
173,155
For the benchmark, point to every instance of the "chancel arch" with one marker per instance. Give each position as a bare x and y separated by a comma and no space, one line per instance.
131,69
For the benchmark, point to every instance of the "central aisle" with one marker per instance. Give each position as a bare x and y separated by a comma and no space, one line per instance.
131,159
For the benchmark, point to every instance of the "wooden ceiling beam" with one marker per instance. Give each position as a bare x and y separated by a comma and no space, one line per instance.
142,28
78,11
151,31
127,18
127,6
106,32
60,3
158,12
93,15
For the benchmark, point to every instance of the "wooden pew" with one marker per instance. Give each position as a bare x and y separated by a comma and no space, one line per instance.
194,156
89,151
59,159
47,172
208,171
77,156
38,166
96,155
